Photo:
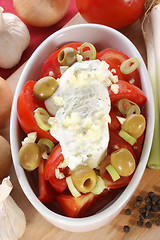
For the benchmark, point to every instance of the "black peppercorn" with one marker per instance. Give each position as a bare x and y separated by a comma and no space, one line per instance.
140,222
139,199
128,211
151,194
155,208
157,222
149,215
155,198
148,206
126,228
148,224
142,210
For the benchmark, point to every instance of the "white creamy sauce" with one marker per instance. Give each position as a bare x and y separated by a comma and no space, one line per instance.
81,107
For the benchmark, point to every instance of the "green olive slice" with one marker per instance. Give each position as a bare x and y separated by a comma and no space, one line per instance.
41,116
67,56
123,162
84,178
134,125
44,88
30,156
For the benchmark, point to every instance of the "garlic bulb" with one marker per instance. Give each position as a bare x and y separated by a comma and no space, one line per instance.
12,218
14,39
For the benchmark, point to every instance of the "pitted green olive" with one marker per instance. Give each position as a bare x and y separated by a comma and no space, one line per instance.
67,56
84,178
134,125
30,156
123,161
44,88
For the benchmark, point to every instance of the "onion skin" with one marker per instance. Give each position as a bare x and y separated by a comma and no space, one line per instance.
5,157
41,13
6,97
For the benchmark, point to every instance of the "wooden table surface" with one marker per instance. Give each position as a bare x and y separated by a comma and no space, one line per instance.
39,229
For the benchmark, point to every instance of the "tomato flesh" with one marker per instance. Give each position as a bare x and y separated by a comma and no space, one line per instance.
128,91
26,105
115,58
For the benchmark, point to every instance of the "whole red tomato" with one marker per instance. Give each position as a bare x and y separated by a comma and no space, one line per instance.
113,13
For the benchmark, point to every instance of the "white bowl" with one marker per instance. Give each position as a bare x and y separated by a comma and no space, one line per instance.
102,37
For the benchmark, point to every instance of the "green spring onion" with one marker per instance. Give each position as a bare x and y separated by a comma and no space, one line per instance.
127,107
127,137
88,51
100,186
113,173
151,33
129,65
72,188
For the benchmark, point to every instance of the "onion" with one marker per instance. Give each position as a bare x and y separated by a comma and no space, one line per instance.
41,13
6,98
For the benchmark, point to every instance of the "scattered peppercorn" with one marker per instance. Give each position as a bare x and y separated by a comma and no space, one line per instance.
155,198
128,211
149,215
140,222
139,199
148,224
151,194
142,210
157,222
126,228
148,206
155,208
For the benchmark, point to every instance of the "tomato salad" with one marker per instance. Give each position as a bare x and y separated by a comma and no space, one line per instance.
85,126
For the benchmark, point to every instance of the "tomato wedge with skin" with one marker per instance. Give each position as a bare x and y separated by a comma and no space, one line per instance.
128,91
55,158
46,193
52,64
26,105
116,57
85,205
115,124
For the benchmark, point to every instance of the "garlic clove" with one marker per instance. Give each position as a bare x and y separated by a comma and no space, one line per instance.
14,39
12,218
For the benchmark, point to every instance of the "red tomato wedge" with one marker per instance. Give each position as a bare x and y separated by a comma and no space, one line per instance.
52,64
115,58
86,204
26,105
115,124
55,158
46,193
74,207
128,91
